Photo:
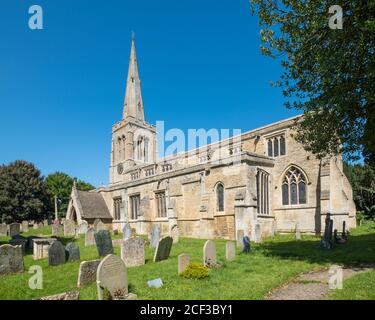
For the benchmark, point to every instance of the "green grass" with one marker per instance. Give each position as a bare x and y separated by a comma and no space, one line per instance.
248,277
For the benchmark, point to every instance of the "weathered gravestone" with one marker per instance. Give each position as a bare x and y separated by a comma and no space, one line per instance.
209,254
154,236
45,222
175,234
90,237
99,225
72,251
183,262
163,249
57,229
3,230
25,226
127,231
56,254
69,228
240,235
133,252
246,244
14,229
11,259
19,240
257,233
103,242
41,247
230,250
87,272
112,275
40,225
83,227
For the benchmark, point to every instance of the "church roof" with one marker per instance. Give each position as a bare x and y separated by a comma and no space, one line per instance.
93,205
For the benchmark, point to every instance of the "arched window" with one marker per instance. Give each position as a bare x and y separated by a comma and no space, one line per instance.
293,188
220,197
262,192
276,147
270,152
282,145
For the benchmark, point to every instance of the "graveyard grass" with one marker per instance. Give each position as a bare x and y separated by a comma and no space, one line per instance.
251,276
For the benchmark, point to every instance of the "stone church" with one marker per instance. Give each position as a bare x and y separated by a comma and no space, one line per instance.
256,183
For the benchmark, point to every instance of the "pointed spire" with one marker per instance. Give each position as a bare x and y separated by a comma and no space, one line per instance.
133,104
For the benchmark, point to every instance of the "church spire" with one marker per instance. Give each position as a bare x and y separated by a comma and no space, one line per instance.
133,104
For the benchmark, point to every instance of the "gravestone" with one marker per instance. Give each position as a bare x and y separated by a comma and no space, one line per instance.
11,259
14,229
246,244
127,231
69,228
45,222
163,249
19,240
3,230
40,225
154,236
113,276
183,262
240,235
257,233
133,252
90,237
209,254
56,254
83,226
175,234
35,226
99,225
41,247
103,242
230,250
87,272
57,229
72,251
25,226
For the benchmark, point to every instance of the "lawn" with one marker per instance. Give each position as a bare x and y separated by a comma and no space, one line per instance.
250,276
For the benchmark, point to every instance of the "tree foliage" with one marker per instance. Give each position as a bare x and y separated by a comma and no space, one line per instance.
23,193
328,74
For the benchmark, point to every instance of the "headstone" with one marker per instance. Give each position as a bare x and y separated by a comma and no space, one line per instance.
72,251
113,276
19,241
163,249
240,235
103,242
25,226
183,262
209,254
45,222
230,250
133,252
127,231
40,225
246,244
156,283
154,236
41,247
99,225
175,234
56,254
3,230
83,226
87,272
11,259
69,228
57,229
257,234
35,226
89,237
14,229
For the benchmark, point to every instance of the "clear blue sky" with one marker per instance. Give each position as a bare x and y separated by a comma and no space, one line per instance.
62,88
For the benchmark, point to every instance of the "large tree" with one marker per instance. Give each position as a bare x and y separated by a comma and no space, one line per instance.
23,193
329,74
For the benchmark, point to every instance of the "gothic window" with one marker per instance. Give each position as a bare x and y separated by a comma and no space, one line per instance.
146,150
139,148
276,146
161,207
220,197
116,208
282,145
270,153
262,180
134,202
294,187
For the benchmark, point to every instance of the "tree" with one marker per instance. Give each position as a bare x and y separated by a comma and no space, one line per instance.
60,185
23,193
329,74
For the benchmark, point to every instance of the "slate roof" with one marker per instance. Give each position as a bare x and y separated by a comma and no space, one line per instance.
93,205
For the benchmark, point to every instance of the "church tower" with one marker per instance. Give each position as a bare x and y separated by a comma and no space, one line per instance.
133,139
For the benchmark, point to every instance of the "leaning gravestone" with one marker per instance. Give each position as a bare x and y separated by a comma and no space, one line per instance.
183,262
154,236
69,228
87,272
175,234
90,237
103,242
72,251
209,254
163,249
3,230
240,235
56,254
14,229
25,226
11,259
133,252
83,226
112,276
127,231
230,250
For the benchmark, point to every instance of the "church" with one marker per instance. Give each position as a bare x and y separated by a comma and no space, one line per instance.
258,183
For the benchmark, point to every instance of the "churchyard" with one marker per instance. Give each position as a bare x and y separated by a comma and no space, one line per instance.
252,275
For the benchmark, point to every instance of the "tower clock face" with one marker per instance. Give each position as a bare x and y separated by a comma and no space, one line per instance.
120,168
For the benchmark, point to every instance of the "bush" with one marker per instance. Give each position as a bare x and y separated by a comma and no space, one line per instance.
195,271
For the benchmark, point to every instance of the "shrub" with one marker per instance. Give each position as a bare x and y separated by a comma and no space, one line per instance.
195,271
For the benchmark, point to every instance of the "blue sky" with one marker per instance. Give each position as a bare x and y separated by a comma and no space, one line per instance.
62,88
